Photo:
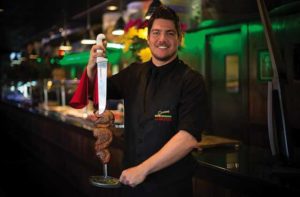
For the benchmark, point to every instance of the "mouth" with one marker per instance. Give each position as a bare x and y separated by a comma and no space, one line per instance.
162,47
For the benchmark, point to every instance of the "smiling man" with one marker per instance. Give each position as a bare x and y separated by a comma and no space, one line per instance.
165,104
163,41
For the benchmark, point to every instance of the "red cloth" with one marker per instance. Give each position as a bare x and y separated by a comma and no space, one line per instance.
80,97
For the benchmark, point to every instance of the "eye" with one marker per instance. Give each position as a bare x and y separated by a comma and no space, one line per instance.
171,33
155,33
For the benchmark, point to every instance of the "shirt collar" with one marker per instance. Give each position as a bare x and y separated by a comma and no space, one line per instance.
164,68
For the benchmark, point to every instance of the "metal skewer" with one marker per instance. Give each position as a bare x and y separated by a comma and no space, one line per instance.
104,181
105,170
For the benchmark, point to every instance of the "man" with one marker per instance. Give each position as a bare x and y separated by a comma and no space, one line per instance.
165,105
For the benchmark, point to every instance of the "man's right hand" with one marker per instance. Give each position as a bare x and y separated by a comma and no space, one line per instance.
93,57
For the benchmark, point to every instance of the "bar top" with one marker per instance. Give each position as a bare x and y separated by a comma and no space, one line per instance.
245,168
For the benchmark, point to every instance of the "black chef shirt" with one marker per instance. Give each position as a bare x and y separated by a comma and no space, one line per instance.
159,102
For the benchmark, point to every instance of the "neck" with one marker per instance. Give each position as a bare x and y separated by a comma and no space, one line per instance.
160,63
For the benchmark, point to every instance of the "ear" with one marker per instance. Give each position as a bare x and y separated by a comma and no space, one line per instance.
180,39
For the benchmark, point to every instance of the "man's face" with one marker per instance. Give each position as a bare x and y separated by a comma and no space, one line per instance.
163,41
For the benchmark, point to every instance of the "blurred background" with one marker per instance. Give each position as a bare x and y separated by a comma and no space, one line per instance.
44,48
39,28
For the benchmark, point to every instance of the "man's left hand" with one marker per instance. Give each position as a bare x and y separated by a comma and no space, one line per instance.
133,176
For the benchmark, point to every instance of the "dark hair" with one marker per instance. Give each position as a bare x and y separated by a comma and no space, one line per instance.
165,12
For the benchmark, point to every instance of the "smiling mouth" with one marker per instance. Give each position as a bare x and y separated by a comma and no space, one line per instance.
162,47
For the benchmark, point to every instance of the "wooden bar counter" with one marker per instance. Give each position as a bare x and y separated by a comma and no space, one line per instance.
66,147
62,145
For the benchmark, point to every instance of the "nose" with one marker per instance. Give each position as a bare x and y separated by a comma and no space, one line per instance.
162,37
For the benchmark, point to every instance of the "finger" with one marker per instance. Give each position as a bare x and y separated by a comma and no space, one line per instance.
132,185
95,49
104,43
127,182
122,179
95,52
99,53
99,47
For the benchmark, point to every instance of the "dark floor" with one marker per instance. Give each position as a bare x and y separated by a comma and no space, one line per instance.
22,174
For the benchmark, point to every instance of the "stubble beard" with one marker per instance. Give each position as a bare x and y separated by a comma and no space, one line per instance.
165,58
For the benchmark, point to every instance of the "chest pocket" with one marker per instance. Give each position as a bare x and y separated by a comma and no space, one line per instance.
165,112
165,120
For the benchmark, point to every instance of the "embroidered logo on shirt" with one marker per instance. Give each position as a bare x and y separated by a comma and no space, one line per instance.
163,116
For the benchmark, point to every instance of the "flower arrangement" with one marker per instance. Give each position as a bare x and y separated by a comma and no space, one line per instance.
135,41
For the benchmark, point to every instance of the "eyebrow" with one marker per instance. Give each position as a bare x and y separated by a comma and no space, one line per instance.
168,30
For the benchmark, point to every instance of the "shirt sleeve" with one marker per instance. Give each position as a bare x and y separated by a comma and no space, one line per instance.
193,105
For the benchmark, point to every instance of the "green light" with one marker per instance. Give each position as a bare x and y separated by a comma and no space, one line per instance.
207,23
193,40
39,60
258,27
191,53
113,55
278,26
75,59
52,60
255,28
73,72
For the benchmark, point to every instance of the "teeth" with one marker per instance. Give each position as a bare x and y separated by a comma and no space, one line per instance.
162,47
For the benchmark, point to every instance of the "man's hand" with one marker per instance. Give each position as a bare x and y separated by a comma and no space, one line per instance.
133,176
93,57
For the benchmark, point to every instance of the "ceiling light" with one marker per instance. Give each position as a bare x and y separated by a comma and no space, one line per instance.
119,27
65,46
112,8
88,41
89,36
